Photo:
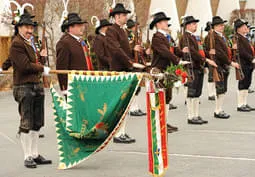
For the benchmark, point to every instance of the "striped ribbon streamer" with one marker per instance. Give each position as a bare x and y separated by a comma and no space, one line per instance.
157,132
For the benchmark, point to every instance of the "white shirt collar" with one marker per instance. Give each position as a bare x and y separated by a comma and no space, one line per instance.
28,40
75,37
243,35
102,33
189,32
162,32
220,34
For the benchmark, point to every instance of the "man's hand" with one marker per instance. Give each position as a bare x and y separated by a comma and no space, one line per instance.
211,62
148,63
185,50
148,51
139,66
138,48
235,65
212,52
184,62
46,71
234,46
43,53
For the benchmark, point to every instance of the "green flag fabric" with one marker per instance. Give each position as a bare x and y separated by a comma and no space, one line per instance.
95,108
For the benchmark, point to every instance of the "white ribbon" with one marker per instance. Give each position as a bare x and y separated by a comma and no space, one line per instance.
65,12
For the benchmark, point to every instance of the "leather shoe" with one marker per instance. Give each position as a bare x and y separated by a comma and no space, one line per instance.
222,115
171,106
195,121
243,108
132,140
141,112
41,136
204,121
40,160
30,163
135,113
173,128
211,98
122,139
251,91
249,107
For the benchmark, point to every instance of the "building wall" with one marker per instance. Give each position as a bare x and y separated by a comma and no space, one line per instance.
204,14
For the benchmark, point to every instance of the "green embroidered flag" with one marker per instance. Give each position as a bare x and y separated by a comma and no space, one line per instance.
94,110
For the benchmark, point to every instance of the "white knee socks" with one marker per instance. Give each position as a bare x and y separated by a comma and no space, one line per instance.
211,89
190,108
219,103
34,147
29,143
196,107
122,129
26,143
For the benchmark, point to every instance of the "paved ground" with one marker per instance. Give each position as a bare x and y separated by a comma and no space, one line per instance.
223,148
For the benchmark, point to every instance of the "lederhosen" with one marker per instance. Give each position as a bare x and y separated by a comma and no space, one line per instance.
196,85
29,95
223,65
246,57
30,98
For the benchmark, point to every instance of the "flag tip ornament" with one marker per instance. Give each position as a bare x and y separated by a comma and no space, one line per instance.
20,10
95,21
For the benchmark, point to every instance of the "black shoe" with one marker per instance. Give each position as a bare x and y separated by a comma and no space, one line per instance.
243,108
222,115
171,129
171,106
251,108
30,163
251,91
135,113
122,139
141,112
195,121
204,121
211,98
41,135
132,140
40,160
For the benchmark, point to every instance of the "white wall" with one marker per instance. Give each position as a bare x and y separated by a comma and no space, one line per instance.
250,4
200,9
169,7
226,7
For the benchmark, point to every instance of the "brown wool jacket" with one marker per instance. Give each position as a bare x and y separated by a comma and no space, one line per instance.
245,51
102,54
23,59
70,56
197,59
119,49
162,57
221,50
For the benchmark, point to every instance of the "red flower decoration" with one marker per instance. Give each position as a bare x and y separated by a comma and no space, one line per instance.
183,80
111,10
99,125
178,72
184,75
